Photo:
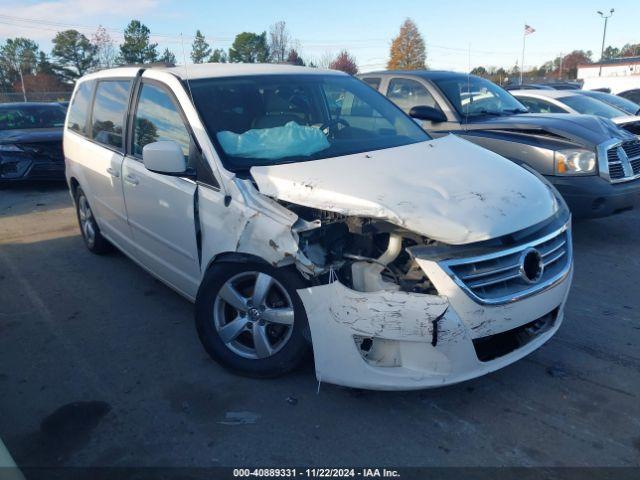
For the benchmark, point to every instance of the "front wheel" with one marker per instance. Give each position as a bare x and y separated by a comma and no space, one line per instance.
250,318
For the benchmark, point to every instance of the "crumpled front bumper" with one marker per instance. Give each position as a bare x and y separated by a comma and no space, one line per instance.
391,340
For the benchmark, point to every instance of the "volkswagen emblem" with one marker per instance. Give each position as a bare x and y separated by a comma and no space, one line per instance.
531,266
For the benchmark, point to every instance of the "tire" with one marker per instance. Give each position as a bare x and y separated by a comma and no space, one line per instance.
246,353
89,229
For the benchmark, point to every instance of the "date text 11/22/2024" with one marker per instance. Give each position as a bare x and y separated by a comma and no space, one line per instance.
316,472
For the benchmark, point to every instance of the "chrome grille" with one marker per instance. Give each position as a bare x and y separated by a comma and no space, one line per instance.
496,278
624,161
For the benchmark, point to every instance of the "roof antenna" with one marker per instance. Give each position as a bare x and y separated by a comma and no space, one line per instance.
186,72
466,112
227,197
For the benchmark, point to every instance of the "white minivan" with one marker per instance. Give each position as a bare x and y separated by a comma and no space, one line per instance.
300,209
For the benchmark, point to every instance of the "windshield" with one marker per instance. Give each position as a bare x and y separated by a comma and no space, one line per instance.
273,119
591,106
474,96
622,103
31,116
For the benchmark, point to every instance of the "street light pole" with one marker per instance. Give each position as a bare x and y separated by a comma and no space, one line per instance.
604,34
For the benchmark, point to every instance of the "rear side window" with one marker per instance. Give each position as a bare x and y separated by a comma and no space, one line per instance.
408,94
79,108
158,119
109,108
373,82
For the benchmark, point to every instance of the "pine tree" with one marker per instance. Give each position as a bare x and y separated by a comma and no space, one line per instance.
167,57
136,47
74,54
408,51
200,49
218,56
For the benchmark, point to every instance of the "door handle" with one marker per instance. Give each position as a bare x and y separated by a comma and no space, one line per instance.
113,173
131,179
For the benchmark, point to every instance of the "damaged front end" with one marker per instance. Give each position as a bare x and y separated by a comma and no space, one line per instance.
396,268
386,311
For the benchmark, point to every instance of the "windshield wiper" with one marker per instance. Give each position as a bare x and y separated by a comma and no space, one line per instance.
487,112
515,110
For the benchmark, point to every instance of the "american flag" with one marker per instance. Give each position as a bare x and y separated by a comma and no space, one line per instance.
528,30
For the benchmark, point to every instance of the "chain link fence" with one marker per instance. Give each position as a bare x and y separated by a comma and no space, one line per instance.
10,97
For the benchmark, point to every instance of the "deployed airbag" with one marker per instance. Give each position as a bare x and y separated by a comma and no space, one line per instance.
291,140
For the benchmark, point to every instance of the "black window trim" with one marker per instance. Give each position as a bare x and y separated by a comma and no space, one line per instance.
123,149
133,108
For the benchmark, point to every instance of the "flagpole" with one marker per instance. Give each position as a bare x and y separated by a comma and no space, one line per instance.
524,38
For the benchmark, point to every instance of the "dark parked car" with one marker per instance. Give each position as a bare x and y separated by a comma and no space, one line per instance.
577,101
592,162
632,108
31,141
544,86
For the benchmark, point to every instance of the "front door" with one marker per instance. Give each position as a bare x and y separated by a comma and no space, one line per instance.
160,208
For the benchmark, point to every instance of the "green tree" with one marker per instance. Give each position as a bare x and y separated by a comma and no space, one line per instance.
136,47
249,48
610,52
408,51
167,57
18,57
200,49
480,71
218,56
73,54
44,65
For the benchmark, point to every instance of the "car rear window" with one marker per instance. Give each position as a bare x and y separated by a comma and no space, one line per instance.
112,98
79,108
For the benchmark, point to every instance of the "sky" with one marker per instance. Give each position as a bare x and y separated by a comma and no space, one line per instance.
457,33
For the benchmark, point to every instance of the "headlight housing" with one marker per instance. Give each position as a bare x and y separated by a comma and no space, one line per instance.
575,162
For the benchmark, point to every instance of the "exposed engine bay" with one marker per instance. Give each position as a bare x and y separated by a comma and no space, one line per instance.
365,254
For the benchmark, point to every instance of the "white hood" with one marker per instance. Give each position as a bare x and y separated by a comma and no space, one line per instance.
625,119
448,189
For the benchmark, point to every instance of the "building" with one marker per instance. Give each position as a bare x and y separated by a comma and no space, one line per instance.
616,67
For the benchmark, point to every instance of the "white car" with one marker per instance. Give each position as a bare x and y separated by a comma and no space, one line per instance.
298,208
574,101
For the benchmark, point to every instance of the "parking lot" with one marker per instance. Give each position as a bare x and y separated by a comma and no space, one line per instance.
75,327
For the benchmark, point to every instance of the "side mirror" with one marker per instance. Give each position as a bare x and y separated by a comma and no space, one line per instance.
164,157
422,112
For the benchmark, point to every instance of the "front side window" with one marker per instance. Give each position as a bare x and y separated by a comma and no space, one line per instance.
591,106
158,119
273,119
109,109
536,105
79,108
474,96
31,116
408,93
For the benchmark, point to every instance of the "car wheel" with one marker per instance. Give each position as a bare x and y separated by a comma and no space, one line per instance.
251,320
91,235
